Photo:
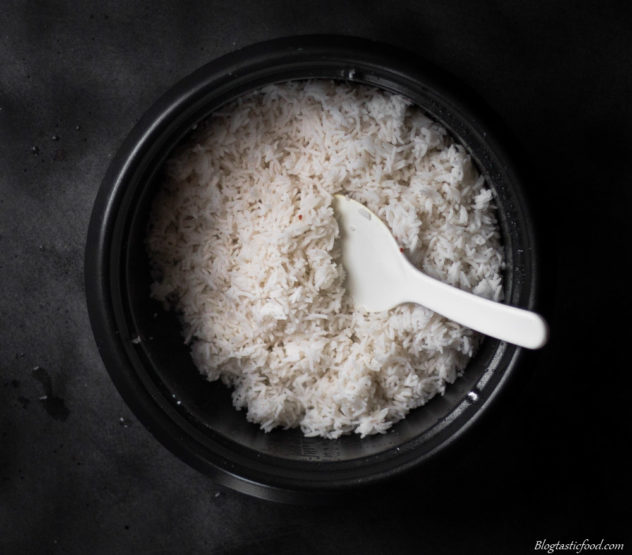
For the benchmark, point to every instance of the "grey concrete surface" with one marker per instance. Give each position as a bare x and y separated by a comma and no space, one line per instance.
79,474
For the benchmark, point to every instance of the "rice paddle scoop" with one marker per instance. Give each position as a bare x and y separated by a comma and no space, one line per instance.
380,277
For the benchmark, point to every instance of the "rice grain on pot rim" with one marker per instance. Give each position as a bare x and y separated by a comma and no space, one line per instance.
243,240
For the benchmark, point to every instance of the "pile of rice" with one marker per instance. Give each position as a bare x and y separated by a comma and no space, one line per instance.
243,239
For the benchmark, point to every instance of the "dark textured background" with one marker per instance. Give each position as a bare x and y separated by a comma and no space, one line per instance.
78,473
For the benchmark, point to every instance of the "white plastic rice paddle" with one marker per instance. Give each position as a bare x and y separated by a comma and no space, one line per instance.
380,277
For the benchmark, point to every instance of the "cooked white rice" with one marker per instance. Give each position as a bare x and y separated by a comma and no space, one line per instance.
244,240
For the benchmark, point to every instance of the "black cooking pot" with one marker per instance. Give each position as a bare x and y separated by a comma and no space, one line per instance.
142,346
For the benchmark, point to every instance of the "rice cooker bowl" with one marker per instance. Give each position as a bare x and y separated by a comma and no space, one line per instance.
141,343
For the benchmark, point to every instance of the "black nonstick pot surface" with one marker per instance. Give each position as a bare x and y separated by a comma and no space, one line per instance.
143,348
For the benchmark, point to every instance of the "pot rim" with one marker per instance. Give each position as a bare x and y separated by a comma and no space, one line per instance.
163,126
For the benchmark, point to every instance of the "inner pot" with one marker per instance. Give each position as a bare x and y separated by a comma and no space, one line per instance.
142,345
